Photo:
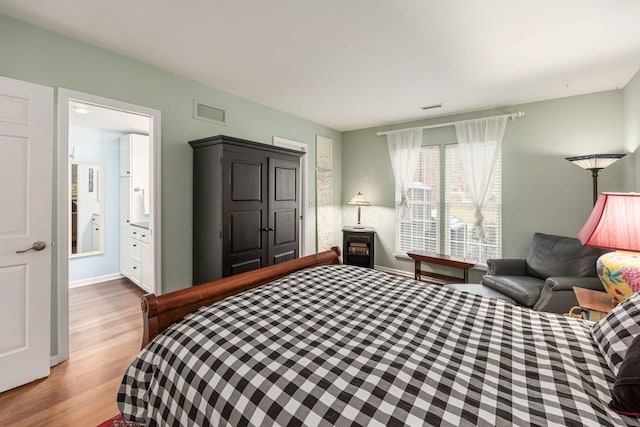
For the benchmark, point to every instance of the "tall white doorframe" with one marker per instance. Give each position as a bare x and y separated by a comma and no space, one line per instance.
64,96
304,168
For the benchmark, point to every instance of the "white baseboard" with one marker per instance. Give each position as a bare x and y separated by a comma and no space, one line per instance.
94,280
397,272
53,361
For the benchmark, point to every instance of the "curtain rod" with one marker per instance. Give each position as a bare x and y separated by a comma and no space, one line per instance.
512,116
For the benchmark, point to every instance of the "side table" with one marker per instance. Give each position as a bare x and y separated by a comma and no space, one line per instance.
594,305
358,246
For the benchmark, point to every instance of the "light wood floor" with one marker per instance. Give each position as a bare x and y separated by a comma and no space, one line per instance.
105,331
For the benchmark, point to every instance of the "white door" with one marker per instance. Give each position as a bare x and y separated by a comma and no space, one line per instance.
26,149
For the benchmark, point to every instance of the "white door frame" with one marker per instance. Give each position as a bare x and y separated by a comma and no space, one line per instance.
304,167
64,96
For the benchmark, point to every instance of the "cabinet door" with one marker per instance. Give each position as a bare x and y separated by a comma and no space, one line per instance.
140,177
135,248
125,201
125,253
125,156
146,264
284,210
244,212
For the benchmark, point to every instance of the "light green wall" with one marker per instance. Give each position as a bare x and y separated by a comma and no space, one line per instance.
541,190
32,54
632,133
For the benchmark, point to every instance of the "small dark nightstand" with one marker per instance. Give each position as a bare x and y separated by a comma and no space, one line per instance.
358,246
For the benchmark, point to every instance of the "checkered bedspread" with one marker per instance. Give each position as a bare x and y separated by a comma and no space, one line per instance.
343,345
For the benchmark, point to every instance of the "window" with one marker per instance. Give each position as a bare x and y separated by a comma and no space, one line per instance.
442,212
423,231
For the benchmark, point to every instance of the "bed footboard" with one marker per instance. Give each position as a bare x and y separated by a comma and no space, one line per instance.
160,311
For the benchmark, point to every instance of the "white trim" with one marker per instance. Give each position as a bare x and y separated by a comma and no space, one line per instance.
397,272
304,190
62,227
94,280
53,360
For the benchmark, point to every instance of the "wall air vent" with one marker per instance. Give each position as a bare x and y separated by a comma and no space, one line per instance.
208,113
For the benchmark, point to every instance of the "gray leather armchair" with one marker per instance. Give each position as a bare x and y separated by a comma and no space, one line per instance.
544,280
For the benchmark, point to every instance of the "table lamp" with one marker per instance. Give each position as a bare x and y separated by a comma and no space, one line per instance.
358,200
615,224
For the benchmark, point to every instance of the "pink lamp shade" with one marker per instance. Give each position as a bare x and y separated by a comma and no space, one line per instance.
615,224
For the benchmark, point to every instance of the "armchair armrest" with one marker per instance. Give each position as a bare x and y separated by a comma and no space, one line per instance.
567,283
507,267
557,294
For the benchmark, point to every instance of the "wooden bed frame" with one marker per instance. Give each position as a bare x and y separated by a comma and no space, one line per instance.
160,311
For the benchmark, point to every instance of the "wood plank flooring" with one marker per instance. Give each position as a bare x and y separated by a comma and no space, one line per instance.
105,331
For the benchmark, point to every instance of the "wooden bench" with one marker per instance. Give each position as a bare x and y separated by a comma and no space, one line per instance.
444,260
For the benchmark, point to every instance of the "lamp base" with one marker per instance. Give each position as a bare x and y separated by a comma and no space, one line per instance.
619,273
358,226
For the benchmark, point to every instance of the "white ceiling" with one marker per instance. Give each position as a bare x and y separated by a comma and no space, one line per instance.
351,64
98,117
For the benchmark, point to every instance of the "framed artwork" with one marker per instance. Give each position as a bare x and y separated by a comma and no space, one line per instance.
324,192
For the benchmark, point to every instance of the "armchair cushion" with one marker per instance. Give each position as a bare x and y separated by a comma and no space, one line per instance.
525,290
551,255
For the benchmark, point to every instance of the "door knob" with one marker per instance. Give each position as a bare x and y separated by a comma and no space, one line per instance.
37,246
267,229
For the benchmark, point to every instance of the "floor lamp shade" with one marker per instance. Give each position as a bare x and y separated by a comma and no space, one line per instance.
595,163
615,224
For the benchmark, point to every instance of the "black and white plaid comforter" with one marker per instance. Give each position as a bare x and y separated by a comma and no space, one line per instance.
342,345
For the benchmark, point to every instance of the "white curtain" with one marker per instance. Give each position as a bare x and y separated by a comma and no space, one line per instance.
480,141
404,149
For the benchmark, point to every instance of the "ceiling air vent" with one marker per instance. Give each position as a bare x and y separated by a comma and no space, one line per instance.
208,113
429,107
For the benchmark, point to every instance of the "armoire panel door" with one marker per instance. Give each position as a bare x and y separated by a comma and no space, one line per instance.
244,212
284,209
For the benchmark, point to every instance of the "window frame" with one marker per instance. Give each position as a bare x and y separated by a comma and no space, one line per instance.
488,250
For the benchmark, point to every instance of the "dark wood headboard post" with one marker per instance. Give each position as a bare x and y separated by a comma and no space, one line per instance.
160,311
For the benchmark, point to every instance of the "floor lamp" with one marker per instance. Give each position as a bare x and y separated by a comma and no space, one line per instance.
595,163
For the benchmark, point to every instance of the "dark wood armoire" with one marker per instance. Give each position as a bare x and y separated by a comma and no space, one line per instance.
246,207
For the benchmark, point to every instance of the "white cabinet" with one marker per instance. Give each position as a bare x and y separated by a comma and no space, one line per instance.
134,164
136,261
96,226
134,155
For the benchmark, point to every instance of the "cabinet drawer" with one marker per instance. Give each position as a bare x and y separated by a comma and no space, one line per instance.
135,249
136,273
139,234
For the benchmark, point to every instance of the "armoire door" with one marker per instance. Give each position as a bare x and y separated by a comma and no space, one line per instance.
244,212
284,210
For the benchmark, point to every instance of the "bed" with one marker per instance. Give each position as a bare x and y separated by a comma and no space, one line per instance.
314,342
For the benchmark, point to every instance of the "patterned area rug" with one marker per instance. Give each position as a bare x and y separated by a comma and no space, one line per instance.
117,421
